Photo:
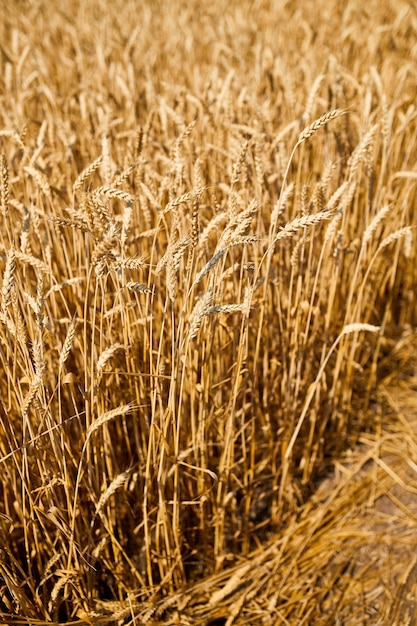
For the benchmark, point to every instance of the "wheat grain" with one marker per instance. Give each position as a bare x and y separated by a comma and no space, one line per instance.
334,199
194,221
101,214
296,252
331,229
123,176
105,247
259,164
239,225
63,580
49,565
243,241
242,223
328,171
20,326
318,200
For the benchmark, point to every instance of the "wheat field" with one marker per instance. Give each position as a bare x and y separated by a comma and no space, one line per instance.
207,311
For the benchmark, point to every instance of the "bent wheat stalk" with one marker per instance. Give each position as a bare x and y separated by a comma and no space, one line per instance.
355,327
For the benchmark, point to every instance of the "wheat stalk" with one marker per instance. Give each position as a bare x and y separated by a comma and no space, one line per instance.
354,327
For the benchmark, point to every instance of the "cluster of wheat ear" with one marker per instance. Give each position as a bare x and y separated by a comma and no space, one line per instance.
204,245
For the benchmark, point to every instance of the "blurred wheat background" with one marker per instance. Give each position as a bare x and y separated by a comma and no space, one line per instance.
207,226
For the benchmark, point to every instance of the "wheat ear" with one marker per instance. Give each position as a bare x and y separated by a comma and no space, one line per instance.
115,484
86,173
8,279
318,123
67,347
107,417
4,185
